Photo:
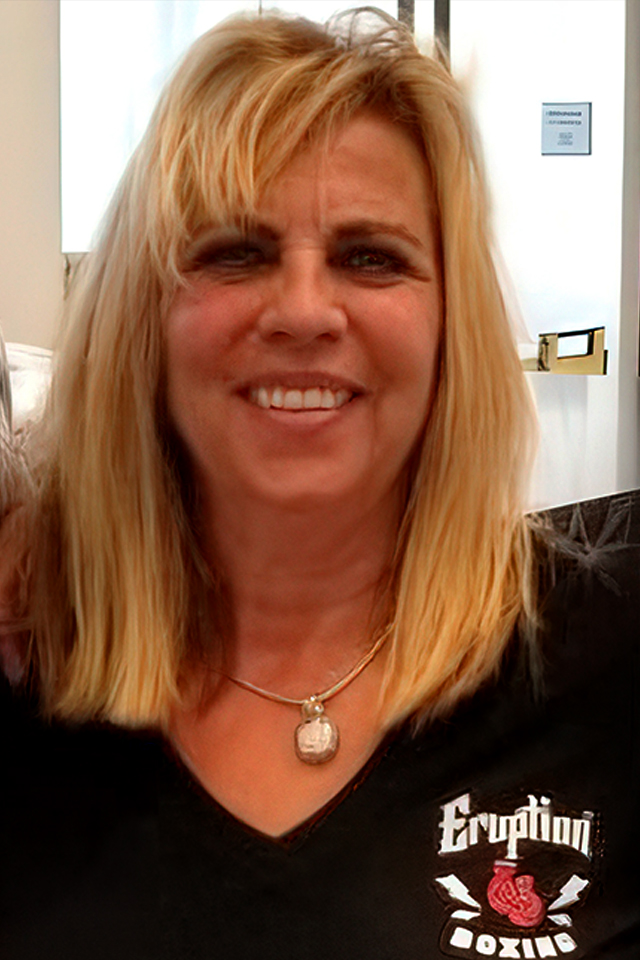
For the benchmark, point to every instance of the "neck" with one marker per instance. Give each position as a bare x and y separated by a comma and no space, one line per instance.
303,586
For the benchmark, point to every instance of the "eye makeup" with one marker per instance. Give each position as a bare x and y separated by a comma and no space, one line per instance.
373,250
232,249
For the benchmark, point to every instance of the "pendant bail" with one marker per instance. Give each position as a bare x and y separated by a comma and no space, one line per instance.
313,707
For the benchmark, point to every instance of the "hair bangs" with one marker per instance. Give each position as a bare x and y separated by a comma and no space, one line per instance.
236,113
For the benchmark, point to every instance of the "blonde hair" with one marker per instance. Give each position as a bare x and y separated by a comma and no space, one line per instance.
116,596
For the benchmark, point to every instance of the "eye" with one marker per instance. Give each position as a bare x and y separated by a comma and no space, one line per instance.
240,255
231,255
373,261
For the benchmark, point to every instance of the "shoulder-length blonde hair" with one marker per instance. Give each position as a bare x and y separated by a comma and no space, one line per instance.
116,588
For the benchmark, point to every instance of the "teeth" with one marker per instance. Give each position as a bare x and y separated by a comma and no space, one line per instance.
315,398
311,399
293,400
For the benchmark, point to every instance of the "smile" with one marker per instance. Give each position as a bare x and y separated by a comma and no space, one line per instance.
285,398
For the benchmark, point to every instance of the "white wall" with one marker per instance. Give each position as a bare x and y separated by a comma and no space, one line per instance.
628,454
567,226
31,265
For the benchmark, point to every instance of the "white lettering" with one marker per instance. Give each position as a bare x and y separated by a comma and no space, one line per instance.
565,943
534,811
509,947
461,829
462,938
454,832
545,947
486,944
473,831
545,819
518,829
581,836
562,830
498,828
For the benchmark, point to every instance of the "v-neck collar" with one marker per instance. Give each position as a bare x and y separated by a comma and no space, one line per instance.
186,782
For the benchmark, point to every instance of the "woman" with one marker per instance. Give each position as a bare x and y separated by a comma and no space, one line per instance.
280,521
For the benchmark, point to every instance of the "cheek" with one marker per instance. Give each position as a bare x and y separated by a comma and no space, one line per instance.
190,360
409,334
207,321
185,336
414,344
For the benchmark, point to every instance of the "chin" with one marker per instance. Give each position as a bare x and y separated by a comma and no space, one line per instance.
302,497
321,490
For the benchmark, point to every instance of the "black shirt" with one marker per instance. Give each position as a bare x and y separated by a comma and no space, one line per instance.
508,830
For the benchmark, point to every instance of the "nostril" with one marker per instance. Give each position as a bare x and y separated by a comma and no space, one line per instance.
291,326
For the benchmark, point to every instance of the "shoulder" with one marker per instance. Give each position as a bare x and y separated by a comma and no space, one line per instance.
591,569
600,537
77,836
589,650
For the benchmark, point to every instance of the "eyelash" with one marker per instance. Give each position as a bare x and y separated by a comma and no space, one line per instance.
387,262
227,257
248,256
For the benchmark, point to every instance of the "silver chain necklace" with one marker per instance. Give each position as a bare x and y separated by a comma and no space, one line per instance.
317,738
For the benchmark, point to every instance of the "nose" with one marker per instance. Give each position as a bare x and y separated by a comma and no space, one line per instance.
302,304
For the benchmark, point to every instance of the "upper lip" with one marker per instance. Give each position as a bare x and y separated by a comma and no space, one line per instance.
301,380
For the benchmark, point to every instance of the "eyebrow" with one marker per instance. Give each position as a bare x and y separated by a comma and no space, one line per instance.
364,227
369,228
233,231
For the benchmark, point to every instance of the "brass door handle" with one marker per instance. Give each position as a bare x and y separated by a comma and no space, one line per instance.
594,361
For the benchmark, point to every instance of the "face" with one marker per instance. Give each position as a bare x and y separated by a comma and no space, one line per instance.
301,357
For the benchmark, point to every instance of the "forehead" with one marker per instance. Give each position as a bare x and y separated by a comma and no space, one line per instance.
370,166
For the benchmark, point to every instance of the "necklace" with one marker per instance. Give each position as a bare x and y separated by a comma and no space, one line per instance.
317,738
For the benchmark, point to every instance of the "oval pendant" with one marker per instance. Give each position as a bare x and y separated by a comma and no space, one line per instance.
316,739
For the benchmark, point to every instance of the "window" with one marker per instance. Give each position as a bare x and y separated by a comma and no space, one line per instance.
115,57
